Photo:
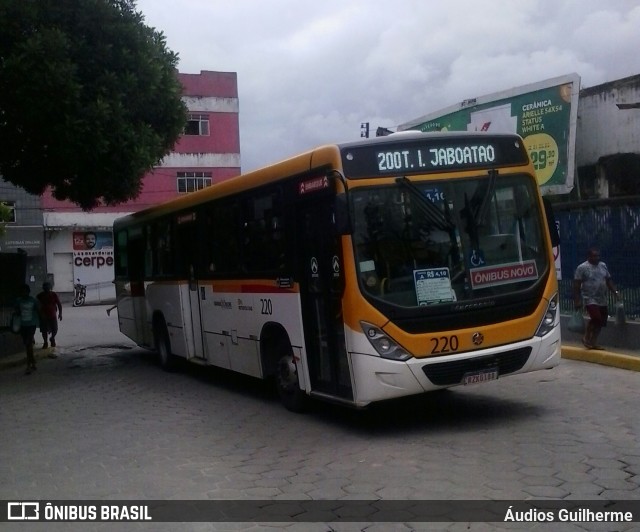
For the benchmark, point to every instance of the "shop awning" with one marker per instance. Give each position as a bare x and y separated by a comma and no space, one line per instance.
98,221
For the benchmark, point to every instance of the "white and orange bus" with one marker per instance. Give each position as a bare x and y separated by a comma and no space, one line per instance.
354,272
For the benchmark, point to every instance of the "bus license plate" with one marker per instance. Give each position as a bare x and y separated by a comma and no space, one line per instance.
476,377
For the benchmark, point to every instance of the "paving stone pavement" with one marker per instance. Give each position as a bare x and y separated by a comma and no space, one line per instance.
104,422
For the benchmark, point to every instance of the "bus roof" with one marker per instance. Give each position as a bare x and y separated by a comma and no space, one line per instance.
317,158
299,164
402,136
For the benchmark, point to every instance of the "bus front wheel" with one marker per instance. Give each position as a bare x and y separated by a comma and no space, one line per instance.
292,397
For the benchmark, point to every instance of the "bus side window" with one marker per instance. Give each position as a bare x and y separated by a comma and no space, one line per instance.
225,238
264,233
162,244
205,256
122,265
148,252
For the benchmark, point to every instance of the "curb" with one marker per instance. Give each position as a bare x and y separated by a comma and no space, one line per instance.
605,358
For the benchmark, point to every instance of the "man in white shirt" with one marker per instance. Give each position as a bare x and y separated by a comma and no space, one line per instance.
590,284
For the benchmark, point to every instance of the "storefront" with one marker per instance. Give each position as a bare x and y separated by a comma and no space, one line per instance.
80,251
27,240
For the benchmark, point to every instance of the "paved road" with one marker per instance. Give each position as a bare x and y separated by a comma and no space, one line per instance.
102,421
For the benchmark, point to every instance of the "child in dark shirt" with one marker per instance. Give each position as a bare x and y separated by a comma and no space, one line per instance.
50,313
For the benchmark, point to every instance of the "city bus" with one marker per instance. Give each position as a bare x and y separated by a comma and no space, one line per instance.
354,273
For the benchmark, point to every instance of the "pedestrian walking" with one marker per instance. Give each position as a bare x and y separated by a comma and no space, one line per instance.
590,284
50,313
28,308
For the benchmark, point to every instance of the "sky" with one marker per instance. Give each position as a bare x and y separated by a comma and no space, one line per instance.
310,72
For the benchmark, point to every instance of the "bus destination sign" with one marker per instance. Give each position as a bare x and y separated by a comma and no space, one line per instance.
415,156
410,159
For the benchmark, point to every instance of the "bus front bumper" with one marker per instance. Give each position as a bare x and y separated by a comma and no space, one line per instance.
379,379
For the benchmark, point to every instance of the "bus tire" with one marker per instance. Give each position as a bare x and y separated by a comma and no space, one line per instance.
163,346
292,397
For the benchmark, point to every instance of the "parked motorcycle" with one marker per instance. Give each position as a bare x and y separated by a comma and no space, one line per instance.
79,294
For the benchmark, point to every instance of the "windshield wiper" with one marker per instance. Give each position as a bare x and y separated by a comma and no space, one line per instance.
481,211
432,213
475,211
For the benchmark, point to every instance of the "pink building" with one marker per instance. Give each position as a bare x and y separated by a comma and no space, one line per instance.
208,152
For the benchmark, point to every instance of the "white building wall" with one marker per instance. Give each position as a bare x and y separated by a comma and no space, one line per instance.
60,260
603,128
211,104
195,160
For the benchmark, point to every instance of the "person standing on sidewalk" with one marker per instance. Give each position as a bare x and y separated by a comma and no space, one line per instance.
28,308
50,313
590,284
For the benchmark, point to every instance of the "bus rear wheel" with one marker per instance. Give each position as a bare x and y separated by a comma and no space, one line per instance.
163,346
292,397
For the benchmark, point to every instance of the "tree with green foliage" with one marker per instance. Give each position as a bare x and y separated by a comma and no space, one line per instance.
5,216
89,98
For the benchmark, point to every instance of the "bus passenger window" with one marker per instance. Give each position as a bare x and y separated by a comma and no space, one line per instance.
121,267
163,245
264,234
225,238
148,252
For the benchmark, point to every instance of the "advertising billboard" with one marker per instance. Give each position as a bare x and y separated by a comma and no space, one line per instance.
544,114
93,263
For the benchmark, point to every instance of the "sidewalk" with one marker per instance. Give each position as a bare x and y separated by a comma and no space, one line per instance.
80,328
629,360
621,345
20,359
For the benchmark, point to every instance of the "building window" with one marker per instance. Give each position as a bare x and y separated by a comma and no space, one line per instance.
197,125
11,206
192,181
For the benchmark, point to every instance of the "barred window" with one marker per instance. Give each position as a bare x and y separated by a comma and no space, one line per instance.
197,125
192,181
10,207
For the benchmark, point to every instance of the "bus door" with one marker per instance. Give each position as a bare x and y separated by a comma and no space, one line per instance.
320,272
136,245
187,242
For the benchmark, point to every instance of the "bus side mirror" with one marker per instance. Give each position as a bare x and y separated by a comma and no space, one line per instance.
341,215
551,222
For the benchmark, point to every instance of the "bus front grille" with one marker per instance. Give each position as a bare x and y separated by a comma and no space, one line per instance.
448,373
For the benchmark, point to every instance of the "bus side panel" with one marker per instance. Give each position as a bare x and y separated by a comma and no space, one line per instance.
229,326
233,320
244,356
191,325
217,324
132,315
130,320
216,327
244,349
164,298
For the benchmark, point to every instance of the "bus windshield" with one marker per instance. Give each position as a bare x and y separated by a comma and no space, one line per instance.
423,243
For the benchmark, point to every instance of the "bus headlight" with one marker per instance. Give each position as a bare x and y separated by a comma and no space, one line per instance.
384,346
550,316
